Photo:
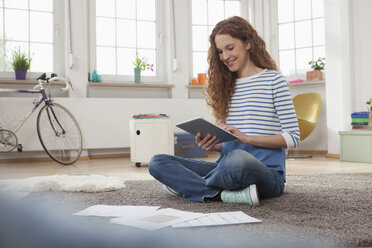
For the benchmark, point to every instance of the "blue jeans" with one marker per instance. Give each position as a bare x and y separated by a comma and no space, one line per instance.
199,180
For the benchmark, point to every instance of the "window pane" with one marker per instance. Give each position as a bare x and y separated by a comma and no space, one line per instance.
302,9
199,12
319,52
41,27
146,34
199,38
105,8
150,56
285,11
126,33
318,8
200,64
105,31
215,11
1,24
126,9
17,4
42,57
12,45
303,56
16,24
106,63
319,33
125,61
303,34
286,36
146,10
287,62
43,5
232,8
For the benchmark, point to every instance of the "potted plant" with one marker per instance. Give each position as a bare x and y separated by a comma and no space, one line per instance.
20,62
317,66
140,65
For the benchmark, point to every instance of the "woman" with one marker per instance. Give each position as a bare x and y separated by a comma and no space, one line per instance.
250,99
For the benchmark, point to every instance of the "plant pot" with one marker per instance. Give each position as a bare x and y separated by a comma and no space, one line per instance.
20,75
314,75
137,75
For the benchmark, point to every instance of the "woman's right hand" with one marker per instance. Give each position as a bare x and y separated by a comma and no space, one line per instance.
208,142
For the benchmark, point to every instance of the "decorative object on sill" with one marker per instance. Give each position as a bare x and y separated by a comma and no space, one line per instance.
20,62
140,65
299,80
317,66
96,77
194,81
202,80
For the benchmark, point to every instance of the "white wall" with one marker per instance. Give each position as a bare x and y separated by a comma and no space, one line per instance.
348,52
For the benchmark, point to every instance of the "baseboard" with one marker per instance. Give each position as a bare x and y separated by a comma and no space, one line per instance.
307,152
332,155
102,156
35,160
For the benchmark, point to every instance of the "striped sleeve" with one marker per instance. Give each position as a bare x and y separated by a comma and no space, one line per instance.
283,105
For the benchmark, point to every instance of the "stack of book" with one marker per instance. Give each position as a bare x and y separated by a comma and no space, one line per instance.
150,116
360,120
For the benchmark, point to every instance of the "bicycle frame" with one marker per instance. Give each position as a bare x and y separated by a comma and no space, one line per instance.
43,98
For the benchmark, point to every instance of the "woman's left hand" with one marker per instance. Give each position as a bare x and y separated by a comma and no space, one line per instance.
232,129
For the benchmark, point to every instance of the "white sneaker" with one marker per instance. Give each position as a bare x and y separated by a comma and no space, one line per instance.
170,191
248,195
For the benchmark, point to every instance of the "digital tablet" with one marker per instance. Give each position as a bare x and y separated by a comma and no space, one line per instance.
199,125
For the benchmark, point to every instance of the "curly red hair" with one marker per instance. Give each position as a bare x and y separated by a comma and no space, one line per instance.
221,81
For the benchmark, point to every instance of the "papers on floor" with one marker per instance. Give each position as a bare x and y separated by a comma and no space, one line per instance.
153,218
218,219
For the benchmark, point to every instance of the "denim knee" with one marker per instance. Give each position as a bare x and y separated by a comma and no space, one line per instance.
155,163
239,161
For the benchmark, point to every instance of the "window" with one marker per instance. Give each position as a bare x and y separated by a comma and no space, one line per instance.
28,24
301,34
205,15
122,29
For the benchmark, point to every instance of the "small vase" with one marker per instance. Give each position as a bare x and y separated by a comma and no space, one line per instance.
20,75
137,75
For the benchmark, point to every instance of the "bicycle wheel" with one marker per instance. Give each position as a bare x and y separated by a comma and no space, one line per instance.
59,133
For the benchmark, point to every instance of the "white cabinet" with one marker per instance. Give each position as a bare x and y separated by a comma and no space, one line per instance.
149,137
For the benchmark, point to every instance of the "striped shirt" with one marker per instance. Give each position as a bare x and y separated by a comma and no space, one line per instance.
262,105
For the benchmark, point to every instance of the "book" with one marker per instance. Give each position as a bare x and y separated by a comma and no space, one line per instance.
204,127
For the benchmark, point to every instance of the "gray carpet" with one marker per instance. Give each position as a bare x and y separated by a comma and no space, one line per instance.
332,208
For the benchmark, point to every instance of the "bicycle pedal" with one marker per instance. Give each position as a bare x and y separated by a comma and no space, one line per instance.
19,148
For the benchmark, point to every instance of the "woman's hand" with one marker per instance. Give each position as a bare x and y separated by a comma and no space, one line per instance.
208,142
232,129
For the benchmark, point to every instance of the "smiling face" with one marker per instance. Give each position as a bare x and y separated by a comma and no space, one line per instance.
232,52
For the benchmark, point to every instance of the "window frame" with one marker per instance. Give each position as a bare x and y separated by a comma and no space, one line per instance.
160,47
276,50
58,44
245,9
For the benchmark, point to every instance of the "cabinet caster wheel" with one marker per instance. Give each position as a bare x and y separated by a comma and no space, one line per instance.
138,164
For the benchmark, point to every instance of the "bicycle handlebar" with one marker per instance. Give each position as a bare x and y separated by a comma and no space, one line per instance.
54,78
65,80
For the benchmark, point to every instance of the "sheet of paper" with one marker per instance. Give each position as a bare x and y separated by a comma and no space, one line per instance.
157,220
217,219
117,211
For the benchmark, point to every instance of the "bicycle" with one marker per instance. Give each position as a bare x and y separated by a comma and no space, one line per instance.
58,131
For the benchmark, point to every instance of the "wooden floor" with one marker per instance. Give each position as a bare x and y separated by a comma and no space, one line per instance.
124,168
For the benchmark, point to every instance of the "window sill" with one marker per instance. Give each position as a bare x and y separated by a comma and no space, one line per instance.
133,85
196,86
316,82
26,82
